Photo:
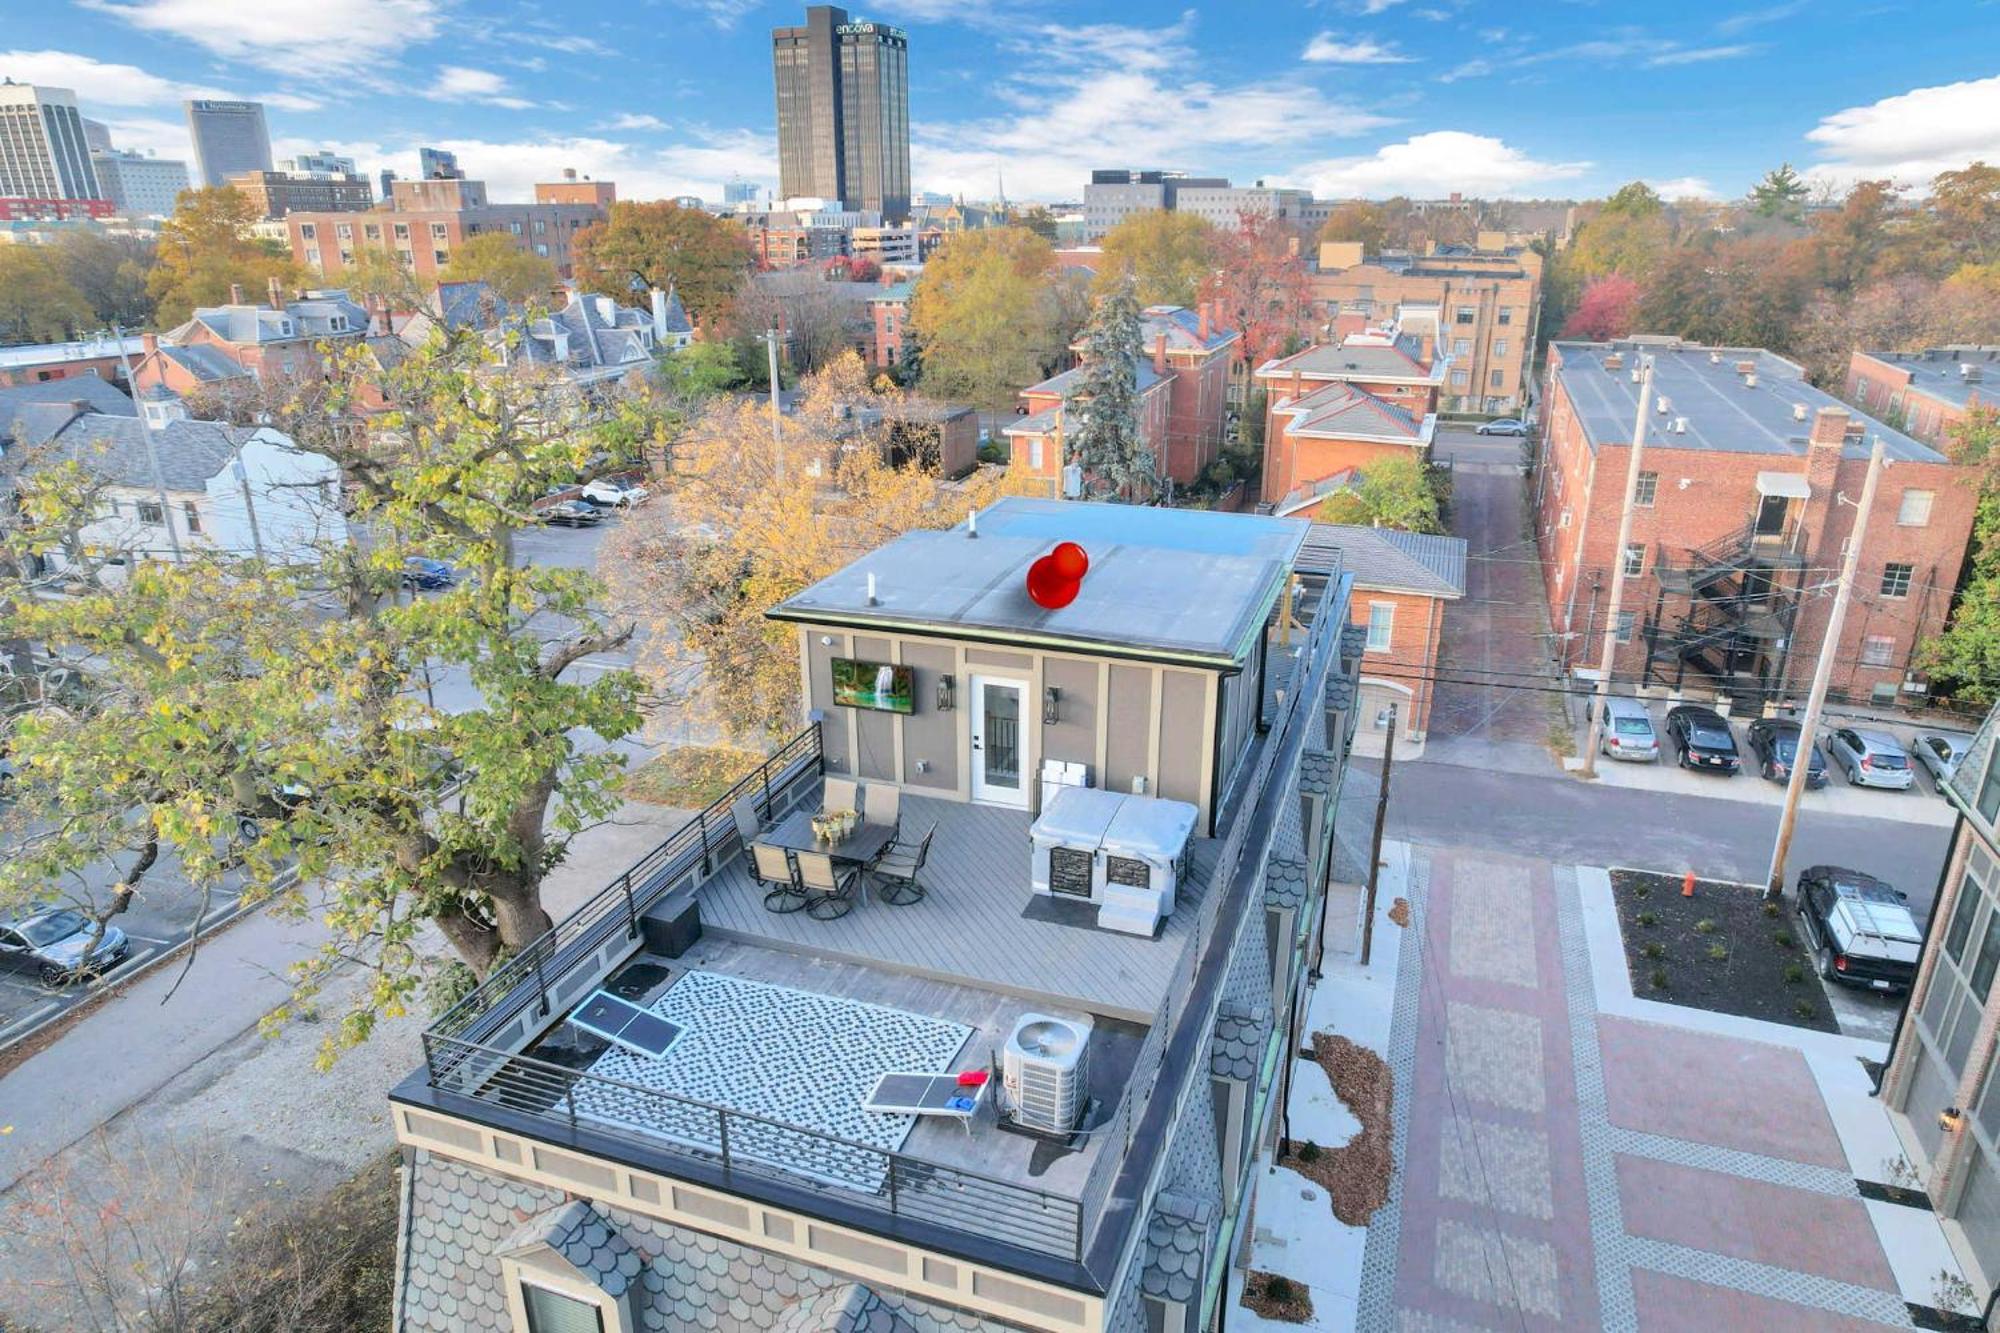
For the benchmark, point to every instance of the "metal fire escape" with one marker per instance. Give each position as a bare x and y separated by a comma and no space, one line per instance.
1726,610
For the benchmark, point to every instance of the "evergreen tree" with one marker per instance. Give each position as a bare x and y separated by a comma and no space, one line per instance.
1781,194
1101,413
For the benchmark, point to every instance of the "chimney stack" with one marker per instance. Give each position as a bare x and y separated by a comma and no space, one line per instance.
149,343
236,293
659,317
277,290
1829,428
1204,322
1160,355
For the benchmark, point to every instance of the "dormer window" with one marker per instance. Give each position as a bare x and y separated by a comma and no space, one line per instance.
285,327
339,323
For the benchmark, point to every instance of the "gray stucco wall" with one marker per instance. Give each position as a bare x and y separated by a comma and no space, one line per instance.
874,731
1182,755
931,737
1126,745
1074,738
819,659
460,1221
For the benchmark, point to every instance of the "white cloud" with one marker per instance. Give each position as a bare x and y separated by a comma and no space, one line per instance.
1328,49
569,43
308,38
1434,164
456,83
1698,55
1470,69
1754,18
629,120
1684,187
1912,136
97,82
1088,95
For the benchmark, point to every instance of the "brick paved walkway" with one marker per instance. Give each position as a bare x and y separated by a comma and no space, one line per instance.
1566,1170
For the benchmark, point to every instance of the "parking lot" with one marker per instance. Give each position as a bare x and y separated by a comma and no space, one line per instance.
1920,804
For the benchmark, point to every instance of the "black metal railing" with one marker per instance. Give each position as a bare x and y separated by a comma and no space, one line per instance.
743,1147
524,978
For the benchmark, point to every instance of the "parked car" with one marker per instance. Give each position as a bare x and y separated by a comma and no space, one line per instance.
614,493
51,946
1870,758
1775,742
423,572
1504,426
571,514
1628,731
1702,739
1939,753
1859,929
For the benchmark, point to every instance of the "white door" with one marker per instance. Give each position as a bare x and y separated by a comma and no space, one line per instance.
999,742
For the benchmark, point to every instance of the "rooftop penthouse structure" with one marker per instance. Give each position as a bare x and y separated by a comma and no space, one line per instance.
939,1072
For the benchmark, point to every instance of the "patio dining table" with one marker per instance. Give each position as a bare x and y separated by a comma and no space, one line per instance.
860,847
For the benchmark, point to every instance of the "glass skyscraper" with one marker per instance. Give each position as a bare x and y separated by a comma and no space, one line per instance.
843,91
44,153
229,137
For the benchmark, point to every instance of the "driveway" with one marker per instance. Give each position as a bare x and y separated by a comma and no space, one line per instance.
1494,705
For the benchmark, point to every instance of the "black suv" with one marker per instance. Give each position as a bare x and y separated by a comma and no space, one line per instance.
1702,739
1859,928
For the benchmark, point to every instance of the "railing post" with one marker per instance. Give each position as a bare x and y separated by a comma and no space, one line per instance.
892,1184
569,1107
701,826
631,910
722,1136
541,981
766,773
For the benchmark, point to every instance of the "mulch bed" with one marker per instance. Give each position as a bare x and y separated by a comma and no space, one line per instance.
1764,973
1355,1175
1295,1308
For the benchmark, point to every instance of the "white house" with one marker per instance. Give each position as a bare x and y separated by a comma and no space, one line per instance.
243,490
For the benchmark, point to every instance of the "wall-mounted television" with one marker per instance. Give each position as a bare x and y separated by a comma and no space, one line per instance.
884,686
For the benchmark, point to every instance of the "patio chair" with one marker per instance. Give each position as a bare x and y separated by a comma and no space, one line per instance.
748,825
897,869
840,794
829,892
883,804
773,868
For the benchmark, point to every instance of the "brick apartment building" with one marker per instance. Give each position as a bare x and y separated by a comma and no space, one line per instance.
245,341
38,363
1403,582
277,194
1738,528
1487,305
1183,396
424,221
890,310
1332,410
1928,392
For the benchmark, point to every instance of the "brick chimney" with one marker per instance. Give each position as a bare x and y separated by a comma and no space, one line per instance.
1824,445
277,291
149,343
1829,427
1160,355
236,293
1204,321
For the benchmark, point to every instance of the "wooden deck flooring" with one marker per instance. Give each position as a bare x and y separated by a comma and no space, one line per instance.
970,929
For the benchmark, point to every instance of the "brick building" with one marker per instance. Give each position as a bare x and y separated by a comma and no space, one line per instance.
1402,584
1928,392
39,363
890,309
244,341
1183,397
1332,410
424,221
1487,307
277,194
1738,528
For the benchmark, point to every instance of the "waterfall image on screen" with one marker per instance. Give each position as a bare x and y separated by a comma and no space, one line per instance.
884,686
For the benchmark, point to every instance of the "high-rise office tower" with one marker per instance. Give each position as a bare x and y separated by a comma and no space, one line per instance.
44,153
97,134
229,137
844,112
436,164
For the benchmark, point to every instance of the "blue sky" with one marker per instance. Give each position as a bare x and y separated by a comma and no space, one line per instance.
1347,97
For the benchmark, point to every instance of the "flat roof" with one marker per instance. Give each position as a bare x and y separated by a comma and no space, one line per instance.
1937,372
1723,414
1136,600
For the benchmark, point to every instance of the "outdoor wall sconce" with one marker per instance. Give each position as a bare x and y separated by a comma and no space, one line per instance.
1051,705
1950,1119
944,692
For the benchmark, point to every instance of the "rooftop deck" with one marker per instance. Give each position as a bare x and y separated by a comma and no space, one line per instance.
980,924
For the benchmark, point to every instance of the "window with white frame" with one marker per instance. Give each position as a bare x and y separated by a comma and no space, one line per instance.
1467,314
551,1311
1648,487
1035,454
150,512
1635,560
1878,650
1498,378
1915,510
1381,626
1896,579
1458,379
1499,347
1626,620
1461,346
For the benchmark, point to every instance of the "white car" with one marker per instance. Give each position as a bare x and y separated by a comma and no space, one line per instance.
1939,753
614,493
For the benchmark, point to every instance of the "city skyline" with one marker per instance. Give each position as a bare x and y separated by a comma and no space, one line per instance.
1363,97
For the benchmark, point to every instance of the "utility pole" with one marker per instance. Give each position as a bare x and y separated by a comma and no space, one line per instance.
152,448
1375,843
242,475
777,436
1610,652
1774,884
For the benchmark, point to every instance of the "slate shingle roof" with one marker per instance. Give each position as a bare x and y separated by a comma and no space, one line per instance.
1177,1238
30,413
1284,882
1384,558
203,362
587,1242
115,448
1343,411
1395,360
1067,380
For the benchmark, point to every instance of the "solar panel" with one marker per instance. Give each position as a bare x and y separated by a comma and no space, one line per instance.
623,1023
